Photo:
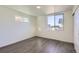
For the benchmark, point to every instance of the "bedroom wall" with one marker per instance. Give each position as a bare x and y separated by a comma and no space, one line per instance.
64,35
76,28
12,31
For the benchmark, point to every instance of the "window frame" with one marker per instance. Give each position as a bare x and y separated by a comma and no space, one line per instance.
54,14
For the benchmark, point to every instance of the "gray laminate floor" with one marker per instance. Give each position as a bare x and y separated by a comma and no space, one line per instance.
39,45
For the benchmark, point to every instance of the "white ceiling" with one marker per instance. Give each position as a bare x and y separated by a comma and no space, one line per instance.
45,9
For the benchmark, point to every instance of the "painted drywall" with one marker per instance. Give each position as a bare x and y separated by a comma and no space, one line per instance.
64,35
12,31
76,29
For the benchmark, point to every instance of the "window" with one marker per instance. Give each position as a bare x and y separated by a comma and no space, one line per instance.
55,21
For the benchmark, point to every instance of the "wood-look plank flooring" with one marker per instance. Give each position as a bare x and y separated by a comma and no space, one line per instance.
39,45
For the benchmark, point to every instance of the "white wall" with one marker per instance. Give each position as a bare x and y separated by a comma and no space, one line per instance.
65,35
10,30
76,29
